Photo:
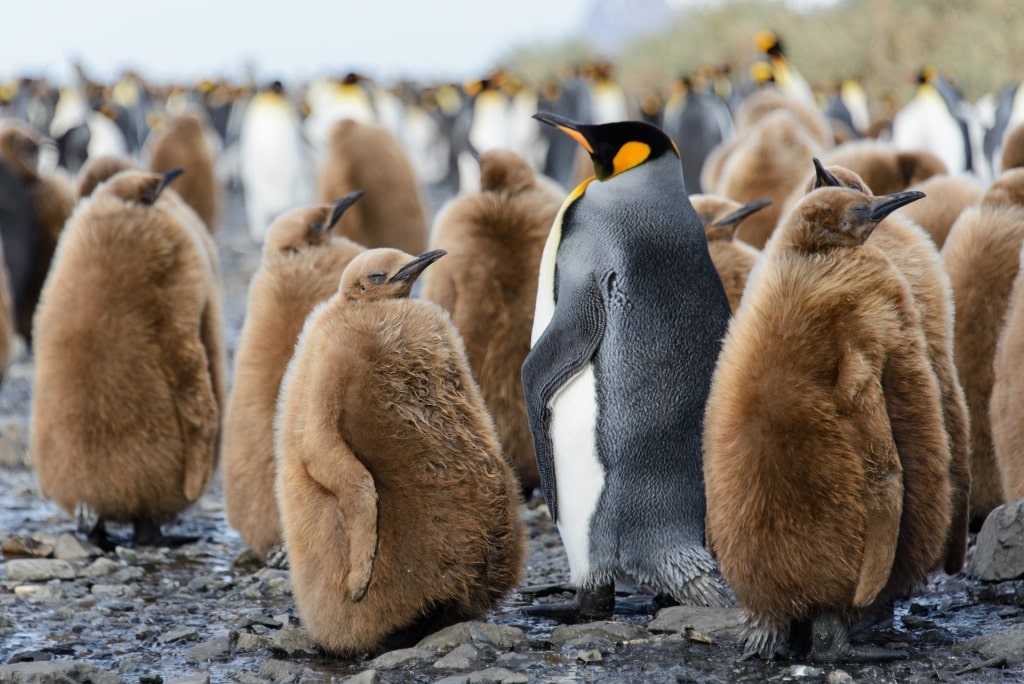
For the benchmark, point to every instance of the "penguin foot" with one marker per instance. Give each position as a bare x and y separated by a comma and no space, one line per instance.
591,603
830,644
147,533
277,558
99,536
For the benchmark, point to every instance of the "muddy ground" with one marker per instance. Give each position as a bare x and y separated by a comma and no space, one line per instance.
210,612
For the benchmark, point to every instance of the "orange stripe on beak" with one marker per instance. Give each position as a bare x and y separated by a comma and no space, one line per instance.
578,137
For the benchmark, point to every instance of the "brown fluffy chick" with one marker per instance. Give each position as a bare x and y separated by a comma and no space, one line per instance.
488,283
915,256
826,462
184,145
981,257
303,259
399,512
129,360
945,199
1007,405
368,156
97,170
884,168
733,258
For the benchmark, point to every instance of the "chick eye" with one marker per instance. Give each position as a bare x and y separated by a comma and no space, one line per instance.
377,278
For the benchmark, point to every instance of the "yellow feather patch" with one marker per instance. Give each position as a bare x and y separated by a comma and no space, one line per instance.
629,155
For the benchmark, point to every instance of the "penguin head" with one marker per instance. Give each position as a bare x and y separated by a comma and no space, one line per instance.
836,176
614,147
139,187
721,216
837,217
505,170
99,169
384,274
299,228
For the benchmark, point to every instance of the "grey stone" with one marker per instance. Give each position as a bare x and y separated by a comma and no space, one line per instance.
113,590
214,649
292,641
249,679
39,593
51,671
134,557
38,569
14,444
716,623
499,636
591,656
588,642
125,575
1006,644
999,551
69,547
248,643
497,675
454,679
460,658
179,634
365,677
804,672
616,631
192,679
18,545
100,567
280,671
839,677
402,657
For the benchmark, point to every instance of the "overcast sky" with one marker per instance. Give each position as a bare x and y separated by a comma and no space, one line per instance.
282,38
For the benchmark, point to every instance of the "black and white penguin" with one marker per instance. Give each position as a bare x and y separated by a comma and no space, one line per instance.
629,319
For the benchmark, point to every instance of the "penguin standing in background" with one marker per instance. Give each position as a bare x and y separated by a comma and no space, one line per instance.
369,156
183,145
629,318
399,513
784,74
98,170
274,162
733,258
129,360
698,122
53,199
826,461
488,283
302,262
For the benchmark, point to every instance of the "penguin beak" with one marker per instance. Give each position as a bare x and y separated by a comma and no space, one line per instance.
341,205
150,196
886,204
412,269
568,126
822,176
743,212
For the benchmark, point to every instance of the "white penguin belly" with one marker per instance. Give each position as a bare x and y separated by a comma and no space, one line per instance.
579,477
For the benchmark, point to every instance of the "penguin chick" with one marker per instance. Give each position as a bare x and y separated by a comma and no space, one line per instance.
630,313
884,168
917,259
399,513
52,202
768,162
981,258
184,145
96,170
1007,405
302,262
823,431
763,101
945,199
1013,149
488,283
733,258
126,407
368,156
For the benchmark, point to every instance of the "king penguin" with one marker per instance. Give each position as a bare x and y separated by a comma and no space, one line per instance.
629,319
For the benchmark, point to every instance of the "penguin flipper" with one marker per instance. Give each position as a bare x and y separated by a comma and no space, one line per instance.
564,348
197,410
337,470
883,504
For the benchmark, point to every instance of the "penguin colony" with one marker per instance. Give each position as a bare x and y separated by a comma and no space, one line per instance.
609,276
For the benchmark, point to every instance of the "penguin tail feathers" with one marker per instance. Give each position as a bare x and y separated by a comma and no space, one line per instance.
691,576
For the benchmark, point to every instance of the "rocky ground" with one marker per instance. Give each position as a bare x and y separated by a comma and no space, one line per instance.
210,612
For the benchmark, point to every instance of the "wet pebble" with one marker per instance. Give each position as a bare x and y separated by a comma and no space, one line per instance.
69,548
1006,645
100,567
56,671
839,677
179,634
18,545
591,656
615,631
38,569
497,675
499,636
294,641
461,657
113,590
250,643
39,593
403,657
366,677
589,641
214,649
716,623
193,679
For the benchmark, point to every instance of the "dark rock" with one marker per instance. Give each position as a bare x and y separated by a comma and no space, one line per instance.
999,551
56,672
282,671
292,641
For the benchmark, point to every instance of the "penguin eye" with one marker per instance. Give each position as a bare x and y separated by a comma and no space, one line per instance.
377,278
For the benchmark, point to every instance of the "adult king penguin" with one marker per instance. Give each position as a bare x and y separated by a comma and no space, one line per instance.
629,320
